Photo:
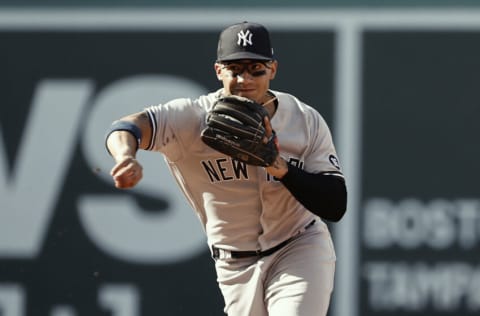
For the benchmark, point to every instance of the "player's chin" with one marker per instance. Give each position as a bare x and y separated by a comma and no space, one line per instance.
249,94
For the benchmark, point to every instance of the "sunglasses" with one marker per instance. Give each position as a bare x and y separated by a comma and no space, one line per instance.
255,69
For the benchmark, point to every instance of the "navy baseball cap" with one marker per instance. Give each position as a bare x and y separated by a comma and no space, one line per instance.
244,40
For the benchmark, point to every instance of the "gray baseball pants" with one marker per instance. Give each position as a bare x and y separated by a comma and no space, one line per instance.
297,280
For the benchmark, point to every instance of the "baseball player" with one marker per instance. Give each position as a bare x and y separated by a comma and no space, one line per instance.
265,226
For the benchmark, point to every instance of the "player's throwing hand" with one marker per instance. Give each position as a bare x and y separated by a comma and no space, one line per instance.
127,172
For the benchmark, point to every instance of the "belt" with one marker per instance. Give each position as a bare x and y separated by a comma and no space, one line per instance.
218,253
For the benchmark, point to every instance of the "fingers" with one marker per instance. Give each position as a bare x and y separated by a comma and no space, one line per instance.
127,173
127,178
268,127
269,133
268,130
122,163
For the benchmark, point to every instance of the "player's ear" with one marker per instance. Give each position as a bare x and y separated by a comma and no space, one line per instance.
273,69
218,71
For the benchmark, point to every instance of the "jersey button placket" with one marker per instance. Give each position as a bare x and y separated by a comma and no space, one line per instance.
262,181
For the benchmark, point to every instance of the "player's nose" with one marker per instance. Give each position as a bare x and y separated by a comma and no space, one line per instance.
245,75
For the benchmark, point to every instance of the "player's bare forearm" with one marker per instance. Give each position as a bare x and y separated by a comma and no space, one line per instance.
142,121
127,171
121,144
123,147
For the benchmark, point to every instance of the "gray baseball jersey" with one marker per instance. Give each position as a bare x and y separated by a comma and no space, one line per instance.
240,206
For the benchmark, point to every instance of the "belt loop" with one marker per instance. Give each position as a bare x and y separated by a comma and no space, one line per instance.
224,254
215,252
218,253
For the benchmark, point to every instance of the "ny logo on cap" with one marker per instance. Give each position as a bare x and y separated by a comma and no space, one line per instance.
245,37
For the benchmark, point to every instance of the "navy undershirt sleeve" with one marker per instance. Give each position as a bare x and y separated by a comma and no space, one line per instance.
322,194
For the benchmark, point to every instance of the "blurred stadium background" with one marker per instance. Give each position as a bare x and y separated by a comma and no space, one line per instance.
398,82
